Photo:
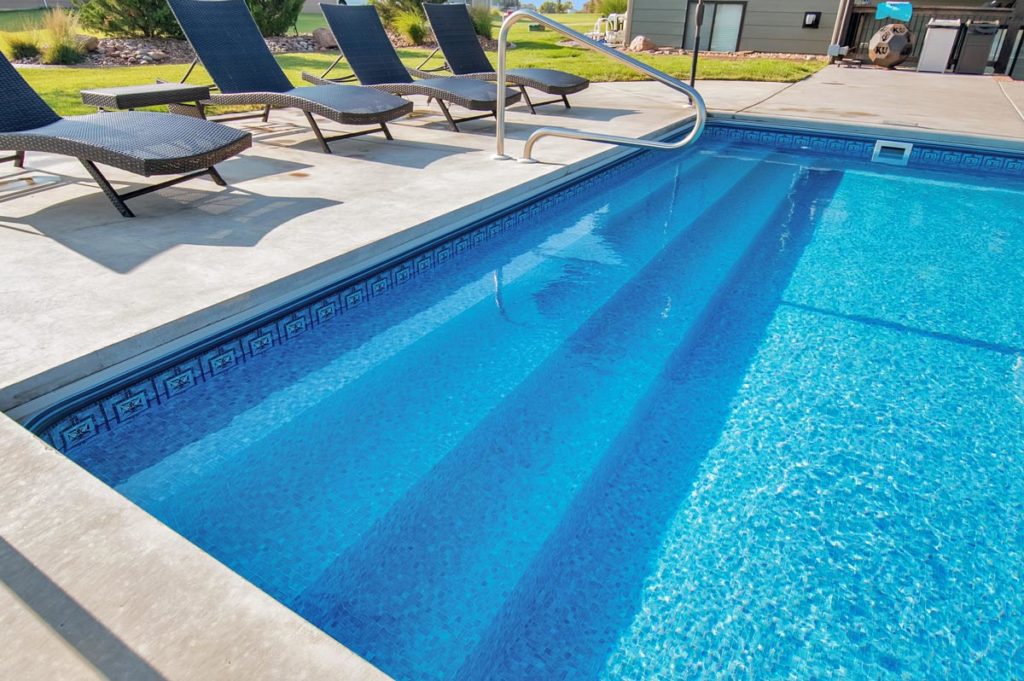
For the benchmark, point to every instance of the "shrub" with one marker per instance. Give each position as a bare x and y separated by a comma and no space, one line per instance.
63,46
154,19
390,9
606,7
411,25
482,21
24,45
275,17
129,18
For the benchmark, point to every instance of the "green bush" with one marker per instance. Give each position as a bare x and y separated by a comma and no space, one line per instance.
62,54
275,17
390,9
606,7
62,45
128,18
411,25
483,22
154,19
23,45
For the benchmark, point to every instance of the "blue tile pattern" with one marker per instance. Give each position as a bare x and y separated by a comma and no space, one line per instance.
924,155
69,424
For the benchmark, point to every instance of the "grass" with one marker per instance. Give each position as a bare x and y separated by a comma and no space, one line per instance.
60,85
21,19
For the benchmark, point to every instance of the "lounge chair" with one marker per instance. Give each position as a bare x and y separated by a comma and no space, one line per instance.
144,143
228,43
369,52
463,55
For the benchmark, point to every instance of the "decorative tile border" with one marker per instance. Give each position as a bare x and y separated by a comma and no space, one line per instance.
73,422
925,155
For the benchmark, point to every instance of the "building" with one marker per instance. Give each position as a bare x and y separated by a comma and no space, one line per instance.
790,26
797,26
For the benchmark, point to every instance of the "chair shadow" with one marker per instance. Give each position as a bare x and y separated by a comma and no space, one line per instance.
589,113
193,214
373,147
68,619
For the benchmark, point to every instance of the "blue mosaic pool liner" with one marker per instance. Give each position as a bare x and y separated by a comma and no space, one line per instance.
924,155
103,408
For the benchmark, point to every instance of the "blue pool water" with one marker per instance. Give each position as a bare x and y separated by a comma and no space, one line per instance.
745,414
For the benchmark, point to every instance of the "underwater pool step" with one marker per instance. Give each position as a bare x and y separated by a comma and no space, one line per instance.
467,531
339,408
594,563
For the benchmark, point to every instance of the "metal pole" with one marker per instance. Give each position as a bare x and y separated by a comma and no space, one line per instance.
499,126
698,21
696,100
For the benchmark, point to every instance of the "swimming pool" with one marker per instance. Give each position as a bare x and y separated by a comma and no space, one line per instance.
746,410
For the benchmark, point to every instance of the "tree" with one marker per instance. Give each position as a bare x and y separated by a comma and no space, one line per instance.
555,7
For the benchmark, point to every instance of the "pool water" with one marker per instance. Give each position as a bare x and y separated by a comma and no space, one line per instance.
745,414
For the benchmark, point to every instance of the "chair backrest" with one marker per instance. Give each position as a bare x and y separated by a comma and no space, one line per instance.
365,44
230,46
456,36
20,107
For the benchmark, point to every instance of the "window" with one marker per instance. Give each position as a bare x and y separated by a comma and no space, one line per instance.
721,29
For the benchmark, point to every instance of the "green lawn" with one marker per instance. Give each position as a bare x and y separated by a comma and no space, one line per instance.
20,19
60,85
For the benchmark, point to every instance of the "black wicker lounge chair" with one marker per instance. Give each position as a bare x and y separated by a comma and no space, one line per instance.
228,43
456,38
368,51
144,143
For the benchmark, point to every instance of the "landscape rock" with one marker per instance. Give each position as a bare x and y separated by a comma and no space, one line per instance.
324,39
89,43
641,43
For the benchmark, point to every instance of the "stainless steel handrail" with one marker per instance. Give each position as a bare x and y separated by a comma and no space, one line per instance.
695,99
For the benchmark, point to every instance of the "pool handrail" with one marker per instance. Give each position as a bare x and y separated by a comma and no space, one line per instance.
695,99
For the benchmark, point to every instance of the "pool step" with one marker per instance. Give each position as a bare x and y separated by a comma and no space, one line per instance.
583,587
375,439
466,532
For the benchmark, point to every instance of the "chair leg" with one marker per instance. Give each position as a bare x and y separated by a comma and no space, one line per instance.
384,129
18,158
316,131
114,197
526,98
565,98
448,116
266,113
215,176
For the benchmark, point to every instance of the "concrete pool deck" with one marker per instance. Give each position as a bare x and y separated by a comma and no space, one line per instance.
91,585
198,255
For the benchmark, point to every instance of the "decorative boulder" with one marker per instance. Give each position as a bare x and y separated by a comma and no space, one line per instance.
641,43
891,45
89,43
324,39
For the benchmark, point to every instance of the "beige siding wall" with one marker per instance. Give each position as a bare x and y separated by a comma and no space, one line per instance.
768,25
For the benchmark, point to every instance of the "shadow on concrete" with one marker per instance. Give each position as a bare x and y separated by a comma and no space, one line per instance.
69,620
226,217
399,152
